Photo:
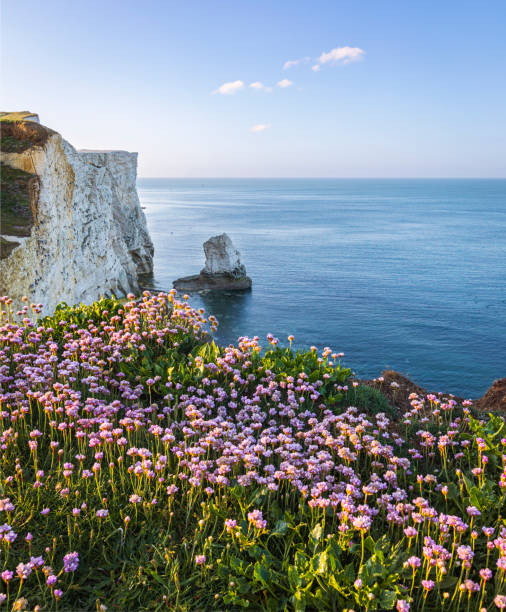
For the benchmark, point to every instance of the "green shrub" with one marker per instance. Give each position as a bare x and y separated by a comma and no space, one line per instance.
370,400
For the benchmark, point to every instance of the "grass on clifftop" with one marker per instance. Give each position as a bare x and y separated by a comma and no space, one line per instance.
142,467
17,205
16,116
18,134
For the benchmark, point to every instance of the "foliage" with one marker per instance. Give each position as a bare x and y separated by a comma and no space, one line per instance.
371,400
18,134
157,470
16,214
82,314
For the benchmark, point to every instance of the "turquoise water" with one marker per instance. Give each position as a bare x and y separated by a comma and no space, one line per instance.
405,274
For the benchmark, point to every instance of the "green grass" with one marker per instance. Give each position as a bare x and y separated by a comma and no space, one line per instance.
16,116
6,247
16,214
371,400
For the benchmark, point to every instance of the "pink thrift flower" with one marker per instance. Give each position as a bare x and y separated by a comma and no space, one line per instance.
7,575
70,562
256,519
23,570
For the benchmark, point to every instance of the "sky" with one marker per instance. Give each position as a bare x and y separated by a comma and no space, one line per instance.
253,88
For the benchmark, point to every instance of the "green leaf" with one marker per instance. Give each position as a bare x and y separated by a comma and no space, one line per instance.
320,563
333,552
280,528
388,599
299,602
334,583
244,603
293,577
349,573
447,582
237,565
374,567
262,574
370,545
300,561
454,495
316,534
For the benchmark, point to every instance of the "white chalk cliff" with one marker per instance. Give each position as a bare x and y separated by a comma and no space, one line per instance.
89,235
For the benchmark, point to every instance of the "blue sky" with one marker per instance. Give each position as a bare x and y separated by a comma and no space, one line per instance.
403,89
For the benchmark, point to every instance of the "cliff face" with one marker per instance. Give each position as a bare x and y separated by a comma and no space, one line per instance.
85,234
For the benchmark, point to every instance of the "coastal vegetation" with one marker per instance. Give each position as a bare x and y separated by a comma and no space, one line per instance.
20,132
143,467
18,189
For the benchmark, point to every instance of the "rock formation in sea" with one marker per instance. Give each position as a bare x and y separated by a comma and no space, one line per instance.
223,269
72,228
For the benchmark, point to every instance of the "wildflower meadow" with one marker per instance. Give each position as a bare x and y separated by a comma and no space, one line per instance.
143,467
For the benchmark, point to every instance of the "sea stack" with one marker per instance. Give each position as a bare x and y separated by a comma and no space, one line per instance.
223,270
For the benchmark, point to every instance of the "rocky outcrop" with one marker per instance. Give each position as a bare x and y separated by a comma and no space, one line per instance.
397,388
494,399
223,269
83,233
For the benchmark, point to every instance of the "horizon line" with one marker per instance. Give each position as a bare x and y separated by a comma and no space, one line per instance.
355,178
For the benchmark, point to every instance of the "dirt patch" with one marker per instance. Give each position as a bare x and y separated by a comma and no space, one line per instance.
494,399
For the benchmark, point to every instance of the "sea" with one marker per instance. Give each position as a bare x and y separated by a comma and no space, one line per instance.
407,274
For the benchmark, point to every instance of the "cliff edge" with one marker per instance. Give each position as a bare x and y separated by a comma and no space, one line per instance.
72,228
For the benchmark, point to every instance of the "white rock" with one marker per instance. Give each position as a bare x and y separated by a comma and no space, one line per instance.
222,257
89,236
223,270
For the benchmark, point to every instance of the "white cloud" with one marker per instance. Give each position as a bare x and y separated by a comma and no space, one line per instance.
260,127
316,68
229,88
284,83
292,63
260,86
341,55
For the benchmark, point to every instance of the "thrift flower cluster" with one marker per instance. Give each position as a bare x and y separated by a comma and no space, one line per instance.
133,447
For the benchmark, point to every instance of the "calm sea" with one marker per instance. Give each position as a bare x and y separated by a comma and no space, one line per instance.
404,274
